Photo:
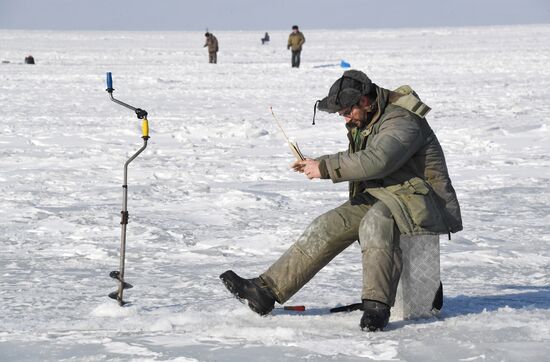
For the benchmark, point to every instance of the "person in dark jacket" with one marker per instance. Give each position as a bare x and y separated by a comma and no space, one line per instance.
398,183
265,39
29,59
212,44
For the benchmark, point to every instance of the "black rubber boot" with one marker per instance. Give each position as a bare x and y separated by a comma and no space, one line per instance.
375,315
252,291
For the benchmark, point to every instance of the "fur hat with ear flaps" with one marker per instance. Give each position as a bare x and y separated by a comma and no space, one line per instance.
347,91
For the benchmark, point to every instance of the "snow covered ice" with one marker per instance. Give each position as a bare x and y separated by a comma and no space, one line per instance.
213,191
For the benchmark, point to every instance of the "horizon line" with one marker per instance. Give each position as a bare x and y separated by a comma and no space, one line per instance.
272,30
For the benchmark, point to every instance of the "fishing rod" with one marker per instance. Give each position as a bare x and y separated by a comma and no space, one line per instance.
292,145
119,274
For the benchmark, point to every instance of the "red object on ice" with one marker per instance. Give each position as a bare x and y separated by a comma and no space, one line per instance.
296,308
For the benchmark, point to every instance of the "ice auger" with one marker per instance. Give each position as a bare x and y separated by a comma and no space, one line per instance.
119,274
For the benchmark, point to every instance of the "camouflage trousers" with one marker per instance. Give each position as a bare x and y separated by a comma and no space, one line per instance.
327,236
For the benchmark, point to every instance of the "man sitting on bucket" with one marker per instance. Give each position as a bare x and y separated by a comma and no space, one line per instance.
398,183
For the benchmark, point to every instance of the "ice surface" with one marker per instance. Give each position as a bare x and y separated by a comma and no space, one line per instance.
213,192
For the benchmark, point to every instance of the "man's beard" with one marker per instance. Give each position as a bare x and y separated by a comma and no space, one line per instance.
358,123
366,117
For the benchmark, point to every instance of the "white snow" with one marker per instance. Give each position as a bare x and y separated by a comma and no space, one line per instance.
213,191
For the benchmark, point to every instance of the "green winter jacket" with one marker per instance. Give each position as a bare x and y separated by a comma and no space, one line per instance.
212,44
296,40
398,160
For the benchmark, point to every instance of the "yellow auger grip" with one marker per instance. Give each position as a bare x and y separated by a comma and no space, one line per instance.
145,127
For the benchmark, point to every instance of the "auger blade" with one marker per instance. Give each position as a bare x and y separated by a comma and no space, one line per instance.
115,274
114,295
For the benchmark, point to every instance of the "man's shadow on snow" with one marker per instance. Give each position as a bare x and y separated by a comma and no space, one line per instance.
531,297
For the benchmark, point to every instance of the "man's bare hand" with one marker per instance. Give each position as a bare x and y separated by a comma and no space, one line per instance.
297,166
309,167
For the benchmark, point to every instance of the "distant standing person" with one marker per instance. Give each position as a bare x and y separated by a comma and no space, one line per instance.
295,41
212,44
265,39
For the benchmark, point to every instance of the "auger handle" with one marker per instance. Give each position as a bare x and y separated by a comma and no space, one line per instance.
139,112
110,88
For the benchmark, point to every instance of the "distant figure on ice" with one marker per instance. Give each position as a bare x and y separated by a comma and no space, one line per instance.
295,41
398,185
212,44
265,39
29,59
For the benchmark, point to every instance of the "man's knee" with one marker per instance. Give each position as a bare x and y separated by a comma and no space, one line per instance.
378,230
333,229
325,224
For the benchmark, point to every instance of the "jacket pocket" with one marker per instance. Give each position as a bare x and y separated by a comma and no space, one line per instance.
417,197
